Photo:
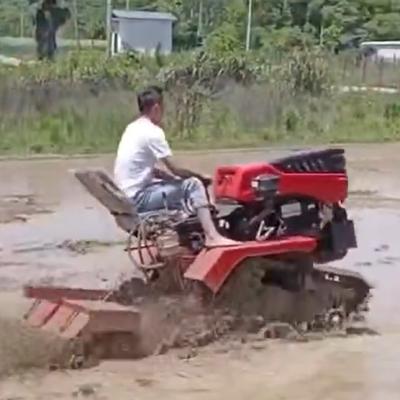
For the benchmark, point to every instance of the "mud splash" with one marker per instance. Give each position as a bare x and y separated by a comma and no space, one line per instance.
23,349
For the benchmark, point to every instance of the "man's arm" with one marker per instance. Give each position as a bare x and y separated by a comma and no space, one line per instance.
163,175
183,173
162,152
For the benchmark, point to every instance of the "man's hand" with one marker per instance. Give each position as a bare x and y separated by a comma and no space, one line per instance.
206,179
163,175
183,172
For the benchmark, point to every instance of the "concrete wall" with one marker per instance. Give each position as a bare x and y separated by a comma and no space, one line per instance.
144,35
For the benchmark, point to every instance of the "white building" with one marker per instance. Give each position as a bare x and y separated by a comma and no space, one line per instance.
384,50
142,31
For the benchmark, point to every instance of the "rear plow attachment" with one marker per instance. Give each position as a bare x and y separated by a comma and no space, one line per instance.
93,329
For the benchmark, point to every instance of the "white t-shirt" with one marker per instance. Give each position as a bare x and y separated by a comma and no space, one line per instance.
142,145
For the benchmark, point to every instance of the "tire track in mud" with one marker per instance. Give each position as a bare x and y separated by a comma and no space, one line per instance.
19,208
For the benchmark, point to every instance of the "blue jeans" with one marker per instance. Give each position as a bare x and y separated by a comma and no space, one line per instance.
185,195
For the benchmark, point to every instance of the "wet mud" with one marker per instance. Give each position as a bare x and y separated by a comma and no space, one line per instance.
19,208
52,232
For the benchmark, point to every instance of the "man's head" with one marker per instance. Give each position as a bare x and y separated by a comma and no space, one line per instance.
150,103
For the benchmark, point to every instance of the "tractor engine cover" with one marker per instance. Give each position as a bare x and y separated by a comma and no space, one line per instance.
320,175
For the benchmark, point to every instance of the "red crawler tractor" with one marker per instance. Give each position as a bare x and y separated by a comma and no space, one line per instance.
289,217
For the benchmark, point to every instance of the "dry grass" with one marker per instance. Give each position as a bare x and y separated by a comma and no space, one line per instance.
23,348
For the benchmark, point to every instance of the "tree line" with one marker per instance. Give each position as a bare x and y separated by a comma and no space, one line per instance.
333,24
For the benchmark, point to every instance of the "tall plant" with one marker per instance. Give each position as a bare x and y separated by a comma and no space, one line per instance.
48,17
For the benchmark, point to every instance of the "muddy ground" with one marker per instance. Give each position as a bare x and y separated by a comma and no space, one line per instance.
51,231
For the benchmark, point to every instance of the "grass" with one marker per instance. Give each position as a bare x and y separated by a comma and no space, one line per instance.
82,103
85,123
25,47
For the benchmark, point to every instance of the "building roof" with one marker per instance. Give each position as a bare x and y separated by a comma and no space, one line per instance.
125,14
381,43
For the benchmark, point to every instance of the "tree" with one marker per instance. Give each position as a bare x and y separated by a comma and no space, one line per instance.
12,15
48,17
276,23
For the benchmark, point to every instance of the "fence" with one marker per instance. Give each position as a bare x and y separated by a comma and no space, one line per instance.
369,72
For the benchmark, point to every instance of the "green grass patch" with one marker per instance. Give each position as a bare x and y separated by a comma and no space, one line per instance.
83,102
25,47
94,124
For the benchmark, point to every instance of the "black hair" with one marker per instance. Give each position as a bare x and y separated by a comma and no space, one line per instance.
148,97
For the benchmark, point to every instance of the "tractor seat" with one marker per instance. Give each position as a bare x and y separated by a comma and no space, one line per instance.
98,183
102,187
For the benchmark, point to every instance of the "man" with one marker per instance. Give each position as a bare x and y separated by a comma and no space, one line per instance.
142,146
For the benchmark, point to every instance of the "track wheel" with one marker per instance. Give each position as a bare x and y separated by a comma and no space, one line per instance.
245,294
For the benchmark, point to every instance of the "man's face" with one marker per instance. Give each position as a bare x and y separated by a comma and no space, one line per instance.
157,113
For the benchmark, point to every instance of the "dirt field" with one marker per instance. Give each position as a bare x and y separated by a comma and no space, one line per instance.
51,231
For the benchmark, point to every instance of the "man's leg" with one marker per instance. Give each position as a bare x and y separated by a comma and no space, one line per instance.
160,195
189,195
196,196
